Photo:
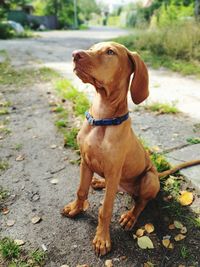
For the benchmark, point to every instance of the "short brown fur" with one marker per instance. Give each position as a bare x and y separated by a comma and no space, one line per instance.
113,152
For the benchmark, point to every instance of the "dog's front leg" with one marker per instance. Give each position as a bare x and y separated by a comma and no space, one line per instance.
102,242
80,204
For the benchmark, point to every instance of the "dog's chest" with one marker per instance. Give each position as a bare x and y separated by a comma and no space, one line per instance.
93,148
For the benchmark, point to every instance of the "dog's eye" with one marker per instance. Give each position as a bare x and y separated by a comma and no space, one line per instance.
110,52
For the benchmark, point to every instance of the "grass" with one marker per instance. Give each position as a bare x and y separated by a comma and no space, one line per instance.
20,77
160,162
67,91
3,165
12,255
162,108
4,111
70,138
3,194
193,140
175,47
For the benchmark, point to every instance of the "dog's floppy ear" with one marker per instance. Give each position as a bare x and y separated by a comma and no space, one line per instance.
139,86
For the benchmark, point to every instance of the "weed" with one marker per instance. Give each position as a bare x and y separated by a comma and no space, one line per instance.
4,111
70,138
9,249
3,193
61,123
67,91
18,147
160,162
193,140
162,108
185,253
5,104
59,109
38,256
3,165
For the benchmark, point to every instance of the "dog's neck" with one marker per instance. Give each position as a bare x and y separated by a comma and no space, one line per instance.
110,102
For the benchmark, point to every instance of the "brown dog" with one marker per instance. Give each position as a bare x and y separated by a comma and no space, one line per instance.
113,151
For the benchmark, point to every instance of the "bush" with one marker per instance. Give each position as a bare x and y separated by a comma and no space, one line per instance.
6,31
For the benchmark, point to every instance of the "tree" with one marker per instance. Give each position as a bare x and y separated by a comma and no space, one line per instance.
86,8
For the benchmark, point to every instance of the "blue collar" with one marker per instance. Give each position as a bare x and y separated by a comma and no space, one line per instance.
104,122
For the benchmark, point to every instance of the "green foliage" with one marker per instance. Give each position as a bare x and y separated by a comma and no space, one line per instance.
162,108
79,99
6,31
9,249
3,165
160,162
3,193
70,138
86,8
193,140
38,256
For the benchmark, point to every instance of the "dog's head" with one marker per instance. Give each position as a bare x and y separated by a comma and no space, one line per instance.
110,65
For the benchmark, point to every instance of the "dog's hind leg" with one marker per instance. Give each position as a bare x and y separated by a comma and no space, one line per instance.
80,204
98,183
149,187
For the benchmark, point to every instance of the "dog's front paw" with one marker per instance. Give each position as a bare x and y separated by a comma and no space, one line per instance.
74,208
101,244
127,220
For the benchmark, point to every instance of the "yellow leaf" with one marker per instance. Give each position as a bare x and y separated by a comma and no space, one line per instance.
167,244
183,230
179,237
186,198
139,232
149,228
148,264
145,242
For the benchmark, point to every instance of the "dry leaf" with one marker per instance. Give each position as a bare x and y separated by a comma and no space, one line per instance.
53,146
139,232
167,244
145,242
82,265
179,237
65,265
149,228
36,219
134,236
5,211
108,263
186,198
20,158
183,230
171,226
178,224
44,247
54,181
10,223
19,242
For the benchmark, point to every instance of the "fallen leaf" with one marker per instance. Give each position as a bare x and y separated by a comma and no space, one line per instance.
122,258
10,223
145,242
171,226
54,181
5,211
108,263
183,230
36,219
44,247
178,224
19,242
149,228
65,265
179,237
140,232
82,265
167,244
20,158
134,236
186,198
53,146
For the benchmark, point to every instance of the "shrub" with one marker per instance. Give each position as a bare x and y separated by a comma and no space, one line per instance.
6,31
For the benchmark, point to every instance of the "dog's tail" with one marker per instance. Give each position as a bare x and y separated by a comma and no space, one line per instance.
178,167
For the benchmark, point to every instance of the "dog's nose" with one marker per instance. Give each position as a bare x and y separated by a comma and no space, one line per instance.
78,54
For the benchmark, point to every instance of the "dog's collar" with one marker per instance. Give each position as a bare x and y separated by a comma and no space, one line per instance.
104,122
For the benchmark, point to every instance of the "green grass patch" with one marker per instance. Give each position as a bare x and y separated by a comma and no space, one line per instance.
17,147
61,123
193,140
70,138
67,91
38,257
3,165
4,111
3,194
160,162
175,47
20,77
162,108
8,249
